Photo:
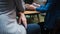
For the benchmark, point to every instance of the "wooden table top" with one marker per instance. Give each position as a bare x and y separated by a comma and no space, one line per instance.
31,12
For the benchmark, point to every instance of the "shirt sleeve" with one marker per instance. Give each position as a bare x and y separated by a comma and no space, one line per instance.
49,5
20,5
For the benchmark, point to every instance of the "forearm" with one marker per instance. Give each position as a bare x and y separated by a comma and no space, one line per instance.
20,5
47,7
21,8
41,9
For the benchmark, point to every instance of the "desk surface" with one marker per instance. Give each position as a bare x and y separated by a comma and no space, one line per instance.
34,12
31,12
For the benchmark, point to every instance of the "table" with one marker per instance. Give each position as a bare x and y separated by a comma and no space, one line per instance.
32,13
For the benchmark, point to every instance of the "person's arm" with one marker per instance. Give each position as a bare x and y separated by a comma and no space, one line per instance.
22,19
20,5
49,5
21,8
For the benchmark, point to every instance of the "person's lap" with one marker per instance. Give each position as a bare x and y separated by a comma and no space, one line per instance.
33,29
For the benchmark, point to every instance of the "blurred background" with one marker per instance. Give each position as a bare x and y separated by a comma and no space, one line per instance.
33,18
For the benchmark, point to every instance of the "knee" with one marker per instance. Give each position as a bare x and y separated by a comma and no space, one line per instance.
33,27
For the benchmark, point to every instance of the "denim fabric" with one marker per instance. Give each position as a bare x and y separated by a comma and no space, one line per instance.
33,29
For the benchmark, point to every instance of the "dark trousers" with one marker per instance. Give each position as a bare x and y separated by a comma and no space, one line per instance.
33,29
45,30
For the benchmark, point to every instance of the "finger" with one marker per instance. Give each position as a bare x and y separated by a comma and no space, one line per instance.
20,20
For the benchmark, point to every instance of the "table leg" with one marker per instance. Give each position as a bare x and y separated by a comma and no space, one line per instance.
38,17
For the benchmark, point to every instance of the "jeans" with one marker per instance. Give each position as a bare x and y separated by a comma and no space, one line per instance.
33,29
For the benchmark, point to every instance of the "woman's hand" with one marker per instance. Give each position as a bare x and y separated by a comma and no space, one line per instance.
30,7
22,19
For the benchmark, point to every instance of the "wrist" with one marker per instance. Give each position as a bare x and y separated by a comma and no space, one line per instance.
21,12
35,8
